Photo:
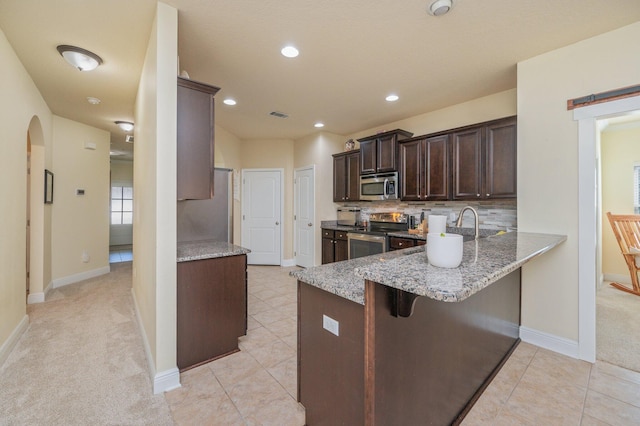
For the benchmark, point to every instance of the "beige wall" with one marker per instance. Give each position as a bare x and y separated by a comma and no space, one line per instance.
317,150
19,103
79,223
275,154
154,223
122,171
548,164
620,152
499,105
228,154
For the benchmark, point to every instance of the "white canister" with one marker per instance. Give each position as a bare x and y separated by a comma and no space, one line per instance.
437,224
444,250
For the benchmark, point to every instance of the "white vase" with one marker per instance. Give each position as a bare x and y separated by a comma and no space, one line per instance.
444,250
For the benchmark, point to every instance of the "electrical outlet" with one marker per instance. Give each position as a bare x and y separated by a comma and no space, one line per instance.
85,256
331,325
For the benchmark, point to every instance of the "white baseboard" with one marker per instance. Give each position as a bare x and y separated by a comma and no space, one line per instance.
618,278
288,262
71,279
165,380
549,341
35,298
11,342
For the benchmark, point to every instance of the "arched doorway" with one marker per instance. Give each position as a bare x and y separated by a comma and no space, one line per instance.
38,216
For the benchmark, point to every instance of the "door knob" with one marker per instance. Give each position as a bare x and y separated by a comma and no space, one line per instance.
310,224
277,223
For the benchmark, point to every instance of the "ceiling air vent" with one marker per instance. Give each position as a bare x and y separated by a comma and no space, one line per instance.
278,114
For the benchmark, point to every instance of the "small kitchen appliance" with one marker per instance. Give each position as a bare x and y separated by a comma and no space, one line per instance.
349,216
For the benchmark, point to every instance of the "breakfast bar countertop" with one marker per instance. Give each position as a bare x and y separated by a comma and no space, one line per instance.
207,249
484,261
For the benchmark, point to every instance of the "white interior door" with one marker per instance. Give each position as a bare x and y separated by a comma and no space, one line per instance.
261,216
304,217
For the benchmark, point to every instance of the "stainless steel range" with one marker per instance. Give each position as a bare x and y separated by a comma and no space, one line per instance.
373,238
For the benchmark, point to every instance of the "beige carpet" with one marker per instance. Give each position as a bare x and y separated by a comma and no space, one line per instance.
81,361
618,328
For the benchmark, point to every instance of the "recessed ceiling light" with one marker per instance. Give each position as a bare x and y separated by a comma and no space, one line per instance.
92,100
290,51
229,101
318,124
440,7
79,58
127,126
392,98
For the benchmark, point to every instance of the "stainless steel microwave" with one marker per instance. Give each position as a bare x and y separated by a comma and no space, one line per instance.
383,186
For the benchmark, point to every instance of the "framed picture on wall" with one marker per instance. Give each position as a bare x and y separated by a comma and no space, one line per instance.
48,187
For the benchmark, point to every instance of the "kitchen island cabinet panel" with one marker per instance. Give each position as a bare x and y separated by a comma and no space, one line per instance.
330,367
442,354
211,308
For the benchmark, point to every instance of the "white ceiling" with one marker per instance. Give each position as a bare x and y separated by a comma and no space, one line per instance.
352,54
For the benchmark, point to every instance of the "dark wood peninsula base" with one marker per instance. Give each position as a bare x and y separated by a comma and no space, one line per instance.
212,309
427,367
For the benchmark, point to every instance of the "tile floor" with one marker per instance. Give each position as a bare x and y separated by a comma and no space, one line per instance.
257,386
119,254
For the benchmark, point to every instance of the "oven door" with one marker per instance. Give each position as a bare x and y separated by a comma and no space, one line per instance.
361,245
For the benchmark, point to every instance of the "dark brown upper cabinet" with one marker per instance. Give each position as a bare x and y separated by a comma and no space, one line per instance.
485,160
424,169
195,140
378,153
346,176
501,180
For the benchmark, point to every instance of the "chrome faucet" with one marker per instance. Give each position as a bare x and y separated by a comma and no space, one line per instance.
475,213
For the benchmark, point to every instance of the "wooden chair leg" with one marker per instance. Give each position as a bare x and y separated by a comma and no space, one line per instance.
625,288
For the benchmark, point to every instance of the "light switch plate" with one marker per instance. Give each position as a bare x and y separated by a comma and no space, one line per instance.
331,325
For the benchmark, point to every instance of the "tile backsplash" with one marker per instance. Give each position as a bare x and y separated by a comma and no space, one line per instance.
493,214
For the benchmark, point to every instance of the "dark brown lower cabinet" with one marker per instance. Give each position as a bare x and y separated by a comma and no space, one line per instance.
212,308
330,367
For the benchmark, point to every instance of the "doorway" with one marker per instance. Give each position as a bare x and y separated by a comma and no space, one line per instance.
262,207
587,215
617,312
304,216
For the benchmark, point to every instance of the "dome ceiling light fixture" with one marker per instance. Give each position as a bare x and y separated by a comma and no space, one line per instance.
440,7
79,58
127,126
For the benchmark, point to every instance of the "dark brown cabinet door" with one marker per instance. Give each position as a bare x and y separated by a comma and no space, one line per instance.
412,170
386,148
353,176
341,248
437,168
327,247
339,178
368,152
195,141
467,163
346,176
501,159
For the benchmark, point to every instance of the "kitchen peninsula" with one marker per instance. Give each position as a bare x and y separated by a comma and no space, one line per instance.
211,300
390,339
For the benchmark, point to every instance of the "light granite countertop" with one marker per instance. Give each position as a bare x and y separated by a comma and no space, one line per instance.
484,261
208,249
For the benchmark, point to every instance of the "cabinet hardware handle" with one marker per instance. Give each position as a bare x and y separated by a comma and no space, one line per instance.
399,244
477,195
488,195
